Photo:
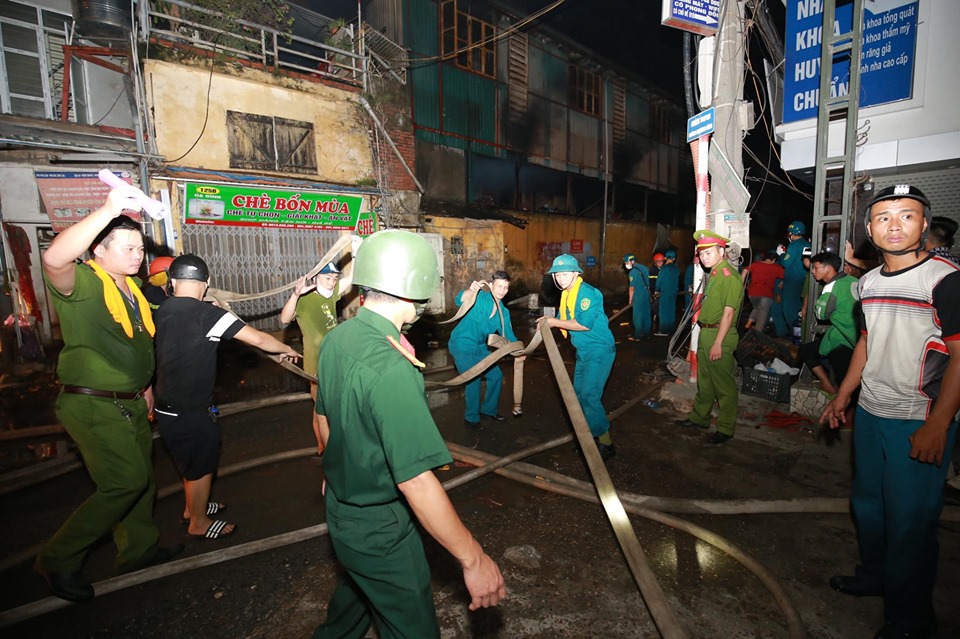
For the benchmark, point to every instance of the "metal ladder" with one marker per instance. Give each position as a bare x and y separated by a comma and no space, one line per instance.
835,109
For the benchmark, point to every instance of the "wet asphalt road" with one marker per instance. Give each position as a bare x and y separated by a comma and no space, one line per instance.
566,575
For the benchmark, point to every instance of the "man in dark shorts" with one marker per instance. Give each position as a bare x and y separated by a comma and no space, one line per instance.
188,334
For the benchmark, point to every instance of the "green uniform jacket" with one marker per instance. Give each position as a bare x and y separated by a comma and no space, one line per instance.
381,429
724,288
96,352
836,305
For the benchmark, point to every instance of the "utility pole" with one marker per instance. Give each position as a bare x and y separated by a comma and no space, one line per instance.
728,63
727,96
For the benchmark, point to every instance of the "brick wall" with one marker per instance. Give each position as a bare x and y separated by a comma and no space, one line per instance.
398,123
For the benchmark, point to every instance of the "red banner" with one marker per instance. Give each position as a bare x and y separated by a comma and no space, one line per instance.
69,196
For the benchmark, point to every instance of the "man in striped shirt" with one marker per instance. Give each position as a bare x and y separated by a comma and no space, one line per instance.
908,362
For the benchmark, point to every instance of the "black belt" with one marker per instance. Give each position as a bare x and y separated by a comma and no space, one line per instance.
82,390
705,325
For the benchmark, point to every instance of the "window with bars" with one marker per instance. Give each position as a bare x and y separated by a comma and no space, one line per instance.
31,60
467,40
662,122
585,90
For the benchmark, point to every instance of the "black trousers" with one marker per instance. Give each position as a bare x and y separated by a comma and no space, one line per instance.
839,358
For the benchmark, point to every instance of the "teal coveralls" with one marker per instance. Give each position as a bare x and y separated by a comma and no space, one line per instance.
668,284
794,278
468,345
381,435
115,449
640,283
715,380
595,353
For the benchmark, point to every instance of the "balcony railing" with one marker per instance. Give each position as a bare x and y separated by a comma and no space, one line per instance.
183,24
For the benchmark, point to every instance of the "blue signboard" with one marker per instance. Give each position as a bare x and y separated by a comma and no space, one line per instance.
696,16
701,124
591,261
886,62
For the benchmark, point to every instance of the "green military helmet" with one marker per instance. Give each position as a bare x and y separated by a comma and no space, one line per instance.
629,257
399,263
565,263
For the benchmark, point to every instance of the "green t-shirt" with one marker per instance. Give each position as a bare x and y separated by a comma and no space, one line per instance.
724,288
96,351
316,315
381,430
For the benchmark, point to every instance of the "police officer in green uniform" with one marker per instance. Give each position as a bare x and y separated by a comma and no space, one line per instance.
105,369
381,447
718,340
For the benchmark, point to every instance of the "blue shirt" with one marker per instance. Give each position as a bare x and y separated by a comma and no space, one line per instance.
792,261
589,314
474,327
668,283
639,278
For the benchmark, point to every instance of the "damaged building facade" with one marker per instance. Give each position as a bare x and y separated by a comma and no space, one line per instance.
272,134
525,142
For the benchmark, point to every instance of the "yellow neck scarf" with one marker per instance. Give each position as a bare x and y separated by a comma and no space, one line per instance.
113,300
568,302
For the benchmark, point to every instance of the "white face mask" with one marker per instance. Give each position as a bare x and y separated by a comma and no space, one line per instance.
326,292
628,265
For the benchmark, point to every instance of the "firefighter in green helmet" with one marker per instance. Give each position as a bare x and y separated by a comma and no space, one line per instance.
381,447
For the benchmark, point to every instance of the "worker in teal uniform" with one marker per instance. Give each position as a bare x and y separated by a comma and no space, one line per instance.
105,369
638,295
780,327
581,315
719,314
668,285
381,447
794,273
468,345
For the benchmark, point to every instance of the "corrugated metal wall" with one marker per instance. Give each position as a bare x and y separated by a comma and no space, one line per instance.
469,110
420,35
464,110
385,16
585,140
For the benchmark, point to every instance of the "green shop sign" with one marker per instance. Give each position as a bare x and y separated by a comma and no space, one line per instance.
273,208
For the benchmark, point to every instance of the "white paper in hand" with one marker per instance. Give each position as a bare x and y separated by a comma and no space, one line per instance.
154,208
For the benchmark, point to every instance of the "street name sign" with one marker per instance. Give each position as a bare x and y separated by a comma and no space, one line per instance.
696,16
701,124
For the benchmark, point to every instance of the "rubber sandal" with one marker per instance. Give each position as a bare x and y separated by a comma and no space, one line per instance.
213,508
215,530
